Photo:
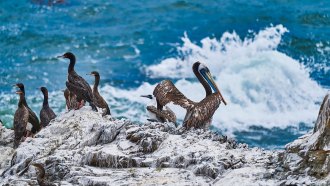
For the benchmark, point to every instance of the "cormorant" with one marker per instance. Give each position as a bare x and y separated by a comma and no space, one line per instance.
76,84
33,119
100,102
21,119
46,113
71,100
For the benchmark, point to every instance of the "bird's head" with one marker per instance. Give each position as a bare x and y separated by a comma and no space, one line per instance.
67,55
19,85
43,90
94,73
204,71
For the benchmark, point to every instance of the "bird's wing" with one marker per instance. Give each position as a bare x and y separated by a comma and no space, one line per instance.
79,91
167,115
44,118
203,112
33,119
166,92
20,121
171,115
77,80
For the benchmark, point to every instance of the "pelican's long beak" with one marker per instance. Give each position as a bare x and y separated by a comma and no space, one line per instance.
215,87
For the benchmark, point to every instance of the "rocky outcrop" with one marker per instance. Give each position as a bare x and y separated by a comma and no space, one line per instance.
81,147
310,154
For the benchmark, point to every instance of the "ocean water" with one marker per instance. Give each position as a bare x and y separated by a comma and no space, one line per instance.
269,58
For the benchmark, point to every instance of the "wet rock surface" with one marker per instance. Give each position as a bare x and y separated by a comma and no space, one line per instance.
307,159
83,148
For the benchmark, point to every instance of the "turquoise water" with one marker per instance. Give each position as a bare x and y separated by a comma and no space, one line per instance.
130,43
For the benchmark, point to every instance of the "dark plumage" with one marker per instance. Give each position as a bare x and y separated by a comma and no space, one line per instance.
21,118
41,176
99,101
199,114
71,100
46,113
159,115
33,119
77,85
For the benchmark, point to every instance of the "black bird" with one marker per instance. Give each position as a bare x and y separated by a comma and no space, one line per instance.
99,101
199,114
46,113
33,119
71,100
21,119
76,84
163,115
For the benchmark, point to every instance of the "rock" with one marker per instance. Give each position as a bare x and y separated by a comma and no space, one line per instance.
81,147
310,154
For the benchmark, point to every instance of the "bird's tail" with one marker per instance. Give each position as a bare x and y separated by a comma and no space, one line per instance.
93,106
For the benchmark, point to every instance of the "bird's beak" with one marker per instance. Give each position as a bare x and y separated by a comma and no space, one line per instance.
215,87
60,56
90,74
145,96
14,85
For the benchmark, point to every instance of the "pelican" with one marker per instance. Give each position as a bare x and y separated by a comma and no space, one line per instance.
199,114
99,101
46,113
156,115
76,84
33,119
21,119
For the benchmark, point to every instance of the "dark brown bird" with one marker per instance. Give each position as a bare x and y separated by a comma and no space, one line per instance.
99,101
156,115
46,113
41,176
199,114
21,119
71,100
33,119
76,84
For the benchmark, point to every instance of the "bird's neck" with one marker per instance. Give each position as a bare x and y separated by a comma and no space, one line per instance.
22,101
45,103
96,84
206,86
71,65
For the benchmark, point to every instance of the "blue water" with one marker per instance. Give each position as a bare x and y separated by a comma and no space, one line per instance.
120,39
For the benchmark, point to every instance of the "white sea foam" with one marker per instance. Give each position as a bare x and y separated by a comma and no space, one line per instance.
261,85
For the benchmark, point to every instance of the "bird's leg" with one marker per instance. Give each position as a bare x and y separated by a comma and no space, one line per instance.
81,104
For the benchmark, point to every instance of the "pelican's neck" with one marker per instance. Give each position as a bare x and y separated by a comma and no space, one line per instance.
72,63
206,86
96,84
45,103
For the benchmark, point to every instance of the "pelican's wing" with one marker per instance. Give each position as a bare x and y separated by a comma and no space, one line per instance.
166,92
202,114
167,115
171,115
